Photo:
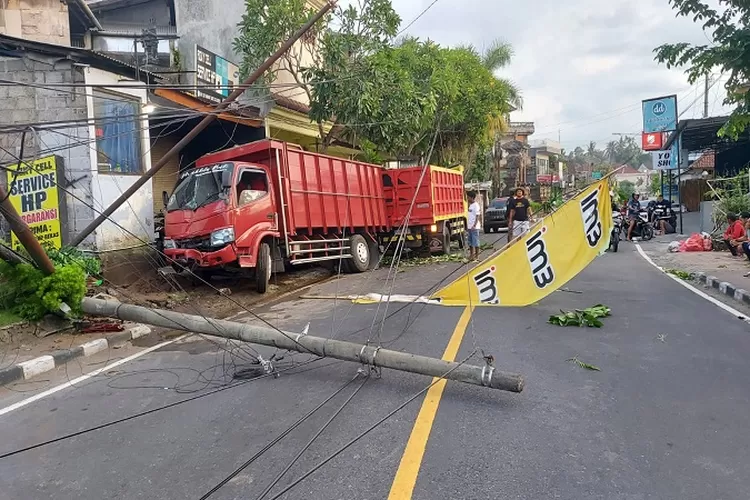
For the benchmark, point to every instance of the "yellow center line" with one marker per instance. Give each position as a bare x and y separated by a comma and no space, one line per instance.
411,461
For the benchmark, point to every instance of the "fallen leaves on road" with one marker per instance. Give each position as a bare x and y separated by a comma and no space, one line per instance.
583,365
422,261
581,317
683,275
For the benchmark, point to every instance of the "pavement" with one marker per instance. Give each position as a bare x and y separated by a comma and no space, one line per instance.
665,418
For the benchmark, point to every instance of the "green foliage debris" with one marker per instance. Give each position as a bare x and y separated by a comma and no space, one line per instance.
581,317
28,293
583,365
683,275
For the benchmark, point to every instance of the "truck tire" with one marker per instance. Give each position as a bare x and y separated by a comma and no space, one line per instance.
263,268
360,251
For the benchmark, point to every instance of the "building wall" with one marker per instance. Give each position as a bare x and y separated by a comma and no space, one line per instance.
38,20
210,24
24,105
154,12
136,216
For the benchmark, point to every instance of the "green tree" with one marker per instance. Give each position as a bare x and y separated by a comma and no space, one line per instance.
332,52
625,190
655,184
729,50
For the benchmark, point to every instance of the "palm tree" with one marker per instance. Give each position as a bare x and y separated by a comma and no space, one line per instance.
496,57
611,151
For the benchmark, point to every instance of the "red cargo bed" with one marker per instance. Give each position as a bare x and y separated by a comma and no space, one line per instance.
440,196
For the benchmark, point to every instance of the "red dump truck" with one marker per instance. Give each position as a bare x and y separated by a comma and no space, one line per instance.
268,205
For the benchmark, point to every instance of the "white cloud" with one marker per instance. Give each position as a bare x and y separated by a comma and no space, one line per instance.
583,66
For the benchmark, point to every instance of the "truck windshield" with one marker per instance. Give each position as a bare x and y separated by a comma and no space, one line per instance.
198,187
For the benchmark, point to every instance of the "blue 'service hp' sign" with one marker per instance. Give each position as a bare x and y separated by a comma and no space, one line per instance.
660,114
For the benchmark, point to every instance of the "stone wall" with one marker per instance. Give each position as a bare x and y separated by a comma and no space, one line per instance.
38,20
26,105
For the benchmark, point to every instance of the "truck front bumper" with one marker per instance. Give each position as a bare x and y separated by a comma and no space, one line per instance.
191,258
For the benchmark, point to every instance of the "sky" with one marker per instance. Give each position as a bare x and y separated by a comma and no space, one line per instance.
583,68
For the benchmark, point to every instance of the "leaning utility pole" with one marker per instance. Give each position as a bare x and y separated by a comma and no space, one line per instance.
24,234
705,95
202,125
486,375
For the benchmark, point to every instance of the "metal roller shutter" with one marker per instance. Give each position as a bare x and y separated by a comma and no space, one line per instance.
165,179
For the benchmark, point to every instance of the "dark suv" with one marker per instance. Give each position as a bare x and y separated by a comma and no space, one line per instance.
496,217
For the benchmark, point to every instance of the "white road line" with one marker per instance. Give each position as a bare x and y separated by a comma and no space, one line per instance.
80,379
731,310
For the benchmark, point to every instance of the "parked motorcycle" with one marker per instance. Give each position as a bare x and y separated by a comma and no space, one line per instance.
643,229
614,240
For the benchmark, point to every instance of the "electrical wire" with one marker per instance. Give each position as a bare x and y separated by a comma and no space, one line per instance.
88,430
278,438
312,440
416,18
366,431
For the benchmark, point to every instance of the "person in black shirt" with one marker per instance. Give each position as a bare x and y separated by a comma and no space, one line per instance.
661,213
519,211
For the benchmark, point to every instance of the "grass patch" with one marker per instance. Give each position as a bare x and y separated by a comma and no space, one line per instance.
8,318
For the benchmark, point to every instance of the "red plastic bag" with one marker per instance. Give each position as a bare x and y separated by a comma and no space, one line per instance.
694,243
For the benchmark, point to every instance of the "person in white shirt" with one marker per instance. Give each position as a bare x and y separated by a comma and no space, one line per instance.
473,226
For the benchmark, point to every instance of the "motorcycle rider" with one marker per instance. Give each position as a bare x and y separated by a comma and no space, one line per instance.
634,211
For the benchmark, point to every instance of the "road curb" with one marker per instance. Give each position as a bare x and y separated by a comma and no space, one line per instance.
33,367
724,287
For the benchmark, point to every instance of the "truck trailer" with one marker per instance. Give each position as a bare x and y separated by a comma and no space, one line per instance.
267,206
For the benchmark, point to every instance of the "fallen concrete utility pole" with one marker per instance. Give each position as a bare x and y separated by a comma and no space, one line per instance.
486,375
24,234
202,125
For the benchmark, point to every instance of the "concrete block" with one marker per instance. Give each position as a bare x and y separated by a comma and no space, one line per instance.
714,282
139,331
701,277
56,103
94,346
15,91
35,366
58,76
740,294
726,288
20,116
24,103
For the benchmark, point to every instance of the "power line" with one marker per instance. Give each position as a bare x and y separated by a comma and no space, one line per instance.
367,431
416,18
149,412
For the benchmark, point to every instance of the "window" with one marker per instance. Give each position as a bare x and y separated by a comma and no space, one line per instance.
118,133
251,186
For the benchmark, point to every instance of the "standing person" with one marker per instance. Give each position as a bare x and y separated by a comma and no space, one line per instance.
519,211
735,234
473,226
634,212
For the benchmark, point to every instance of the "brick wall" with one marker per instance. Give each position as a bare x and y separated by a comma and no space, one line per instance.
26,104
38,20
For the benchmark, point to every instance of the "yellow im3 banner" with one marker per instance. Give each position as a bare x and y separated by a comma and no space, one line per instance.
556,249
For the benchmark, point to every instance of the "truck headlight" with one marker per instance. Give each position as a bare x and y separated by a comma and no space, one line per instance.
433,228
222,237
169,244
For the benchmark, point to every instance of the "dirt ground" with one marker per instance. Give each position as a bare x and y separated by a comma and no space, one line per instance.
21,342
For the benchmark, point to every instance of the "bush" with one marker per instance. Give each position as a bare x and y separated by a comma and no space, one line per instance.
27,292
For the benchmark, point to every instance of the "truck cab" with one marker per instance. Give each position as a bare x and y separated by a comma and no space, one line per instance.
217,215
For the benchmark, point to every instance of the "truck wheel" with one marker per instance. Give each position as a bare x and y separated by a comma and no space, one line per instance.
263,268
360,254
374,253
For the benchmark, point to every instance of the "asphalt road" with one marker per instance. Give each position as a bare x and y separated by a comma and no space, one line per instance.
666,418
